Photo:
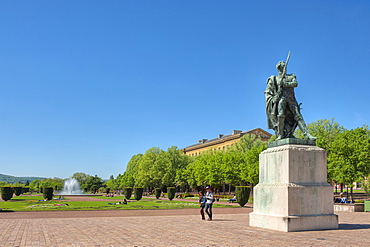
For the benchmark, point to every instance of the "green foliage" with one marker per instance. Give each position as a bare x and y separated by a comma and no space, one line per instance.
325,130
56,183
127,192
113,184
365,185
128,178
17,190
349,156
158,192
6,193
13,180
92,183
47,192
251,171
2,184
35,185
107,190
171,191
156,168
138,193
236,165
242,194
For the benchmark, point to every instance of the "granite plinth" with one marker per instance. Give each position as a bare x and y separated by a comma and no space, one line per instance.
293,194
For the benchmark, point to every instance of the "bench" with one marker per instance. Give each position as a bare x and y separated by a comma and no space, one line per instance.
349,207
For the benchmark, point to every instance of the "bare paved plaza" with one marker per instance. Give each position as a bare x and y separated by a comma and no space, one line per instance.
167,228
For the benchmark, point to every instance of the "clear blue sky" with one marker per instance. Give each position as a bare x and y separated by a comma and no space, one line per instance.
84,85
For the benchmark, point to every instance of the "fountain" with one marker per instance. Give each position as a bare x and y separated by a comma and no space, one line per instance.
71,187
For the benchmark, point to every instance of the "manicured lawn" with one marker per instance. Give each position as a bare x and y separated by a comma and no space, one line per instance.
27,203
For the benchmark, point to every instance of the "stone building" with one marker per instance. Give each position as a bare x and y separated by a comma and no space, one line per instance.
223,141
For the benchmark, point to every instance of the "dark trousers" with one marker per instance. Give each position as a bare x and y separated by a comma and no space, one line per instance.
209,210
202,212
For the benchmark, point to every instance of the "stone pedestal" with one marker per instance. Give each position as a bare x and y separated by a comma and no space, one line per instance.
293,193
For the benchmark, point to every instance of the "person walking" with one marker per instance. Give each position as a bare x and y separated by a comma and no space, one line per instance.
202,203
209,202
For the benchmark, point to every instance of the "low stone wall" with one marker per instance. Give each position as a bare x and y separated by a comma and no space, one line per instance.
349,207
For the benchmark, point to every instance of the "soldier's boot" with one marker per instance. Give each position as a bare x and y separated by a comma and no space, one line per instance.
280,127
303,127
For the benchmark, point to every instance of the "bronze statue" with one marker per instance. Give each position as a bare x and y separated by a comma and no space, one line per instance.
283,111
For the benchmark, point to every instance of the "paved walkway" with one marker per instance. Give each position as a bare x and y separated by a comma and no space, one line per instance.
167,228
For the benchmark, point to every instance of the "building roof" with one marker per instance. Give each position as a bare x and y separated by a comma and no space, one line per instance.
223,138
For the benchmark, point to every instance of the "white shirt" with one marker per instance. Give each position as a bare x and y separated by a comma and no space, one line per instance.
209,197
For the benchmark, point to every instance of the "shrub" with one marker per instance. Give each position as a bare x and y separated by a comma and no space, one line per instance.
127,192
171,192
25,190
242,194
366,186
107,190
47,192
138,193
17,190
6,193
157,192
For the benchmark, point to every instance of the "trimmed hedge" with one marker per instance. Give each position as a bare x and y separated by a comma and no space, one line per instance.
47,192
25,190
242,194
171,192
127,192
6,193
158,192
138,193
17,190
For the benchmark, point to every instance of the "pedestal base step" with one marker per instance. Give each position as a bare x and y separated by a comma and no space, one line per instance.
292,223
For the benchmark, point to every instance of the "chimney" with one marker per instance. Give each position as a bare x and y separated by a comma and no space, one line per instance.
220,136
235,132
202,141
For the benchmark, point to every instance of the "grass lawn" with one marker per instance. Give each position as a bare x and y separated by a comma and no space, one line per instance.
27,203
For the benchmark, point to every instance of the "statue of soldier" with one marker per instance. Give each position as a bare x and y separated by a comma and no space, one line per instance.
283,111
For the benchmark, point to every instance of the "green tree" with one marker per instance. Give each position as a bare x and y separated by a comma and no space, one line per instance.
349,156
146,175
93,183
325,130
35,185
128,178
82,178
246,142
175,164
207,169
251,171
56,183
114,183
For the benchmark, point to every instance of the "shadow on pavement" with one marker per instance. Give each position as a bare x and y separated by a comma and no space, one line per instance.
222,220
353,226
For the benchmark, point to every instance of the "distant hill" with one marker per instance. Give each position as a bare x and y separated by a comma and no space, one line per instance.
12,179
